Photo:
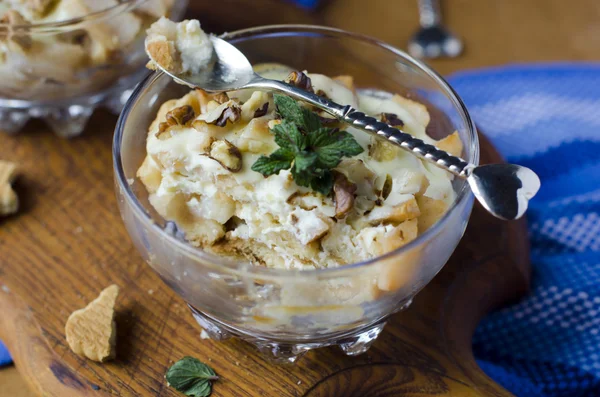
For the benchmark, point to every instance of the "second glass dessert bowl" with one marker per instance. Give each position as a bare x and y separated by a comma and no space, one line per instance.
62,70
285,312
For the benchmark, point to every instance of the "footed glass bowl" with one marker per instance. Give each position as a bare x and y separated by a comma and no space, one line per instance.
286,313
62,71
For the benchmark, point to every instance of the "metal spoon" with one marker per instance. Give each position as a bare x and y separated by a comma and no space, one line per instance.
503,189
433,40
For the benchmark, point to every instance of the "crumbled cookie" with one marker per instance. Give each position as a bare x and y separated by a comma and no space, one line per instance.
452,144
178,47
9,202
91,332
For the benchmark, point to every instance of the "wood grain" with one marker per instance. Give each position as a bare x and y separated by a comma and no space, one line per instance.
12,384
67,242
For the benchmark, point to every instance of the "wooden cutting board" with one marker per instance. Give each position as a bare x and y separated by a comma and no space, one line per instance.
68,242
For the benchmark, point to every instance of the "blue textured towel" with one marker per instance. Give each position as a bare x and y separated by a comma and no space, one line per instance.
547,117
4,356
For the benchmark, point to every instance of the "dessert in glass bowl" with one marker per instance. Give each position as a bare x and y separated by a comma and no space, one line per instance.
60,59
271,256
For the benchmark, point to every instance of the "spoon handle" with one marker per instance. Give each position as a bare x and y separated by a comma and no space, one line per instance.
428,152
357,119
429,13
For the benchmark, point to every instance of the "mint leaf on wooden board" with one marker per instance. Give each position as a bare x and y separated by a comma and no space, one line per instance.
307,148
191,377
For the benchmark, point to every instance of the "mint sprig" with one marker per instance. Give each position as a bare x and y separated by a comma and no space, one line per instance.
191,377
307,148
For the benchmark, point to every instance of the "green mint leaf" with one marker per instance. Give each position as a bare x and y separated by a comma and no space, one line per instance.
289,109
304,160
281,159
200,389
288,136
306,147
191,377
331,146
292,111
323,184
318,179
310,120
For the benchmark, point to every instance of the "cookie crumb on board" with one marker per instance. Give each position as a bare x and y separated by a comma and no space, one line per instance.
9,202
91,332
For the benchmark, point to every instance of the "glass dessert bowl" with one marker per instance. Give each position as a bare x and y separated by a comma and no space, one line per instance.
59,60
286,312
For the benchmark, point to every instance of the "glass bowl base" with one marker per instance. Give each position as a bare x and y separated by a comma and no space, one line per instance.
280,352
66,118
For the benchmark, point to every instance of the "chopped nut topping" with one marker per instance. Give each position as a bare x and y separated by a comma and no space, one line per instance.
306,201
392,119
262,110
228,111
182,115
221,98
343,191
300,80
387,187
382,150
231,113
226,154
322,93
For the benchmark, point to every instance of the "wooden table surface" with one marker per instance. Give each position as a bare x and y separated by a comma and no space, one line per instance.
494,32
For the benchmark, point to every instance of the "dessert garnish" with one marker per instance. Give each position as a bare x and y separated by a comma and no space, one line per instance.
306,147
191,377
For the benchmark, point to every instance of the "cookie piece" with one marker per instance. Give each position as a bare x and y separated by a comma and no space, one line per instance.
9,202
91,332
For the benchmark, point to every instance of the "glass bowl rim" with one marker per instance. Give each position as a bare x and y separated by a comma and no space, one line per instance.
73,23
237,267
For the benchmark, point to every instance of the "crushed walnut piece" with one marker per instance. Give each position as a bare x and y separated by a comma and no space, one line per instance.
226,154
300,80
180,116
387,187
9,202
262,110
227,111
220,98
343,192
92,331
392,119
